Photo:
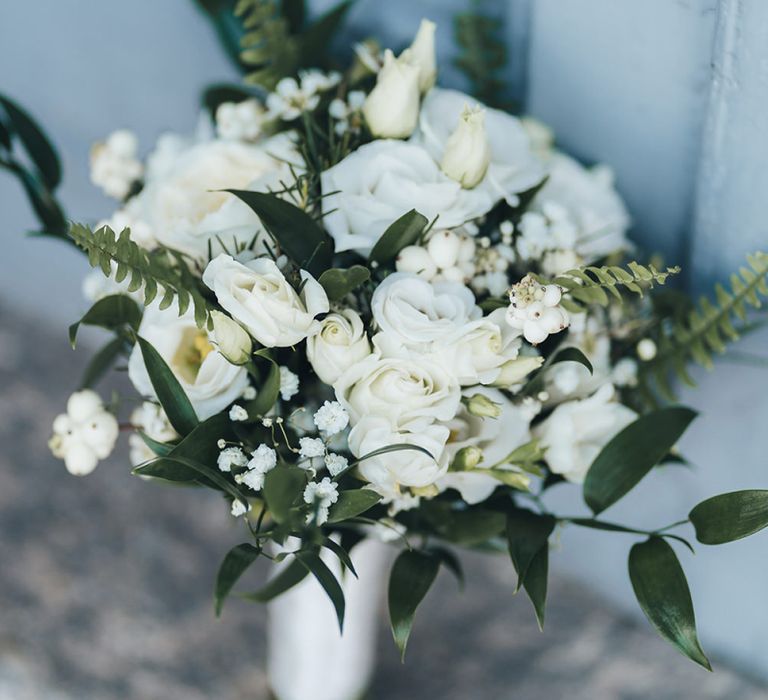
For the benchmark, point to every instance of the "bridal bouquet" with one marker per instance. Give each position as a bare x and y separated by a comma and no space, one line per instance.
359,305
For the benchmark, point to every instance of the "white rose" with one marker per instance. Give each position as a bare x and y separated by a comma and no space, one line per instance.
576,431
383,180
410,393
392,108
401,468
257,295
340,343
423,54
513,167
209,380
417,313
467,152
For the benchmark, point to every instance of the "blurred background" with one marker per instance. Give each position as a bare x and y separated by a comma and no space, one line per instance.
105,583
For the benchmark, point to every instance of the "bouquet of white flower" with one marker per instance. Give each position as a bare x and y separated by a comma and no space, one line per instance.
357,304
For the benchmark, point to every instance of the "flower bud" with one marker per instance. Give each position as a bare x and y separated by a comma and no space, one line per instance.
392,108
423,55
467,151
231,339
444,248
467,458
516,370
646,349
417,260
429,491
481,406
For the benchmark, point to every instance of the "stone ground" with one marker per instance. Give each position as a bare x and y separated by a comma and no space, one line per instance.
105,592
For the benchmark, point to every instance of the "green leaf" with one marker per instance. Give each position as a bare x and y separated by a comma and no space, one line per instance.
450,561
295,231
631,454
662,591
571,354
730,516
235,563
171,396
268,392
46,208
468,527
413,573
317,567
286,578
315,40
111,312
527,534
339,282
101,362
161,449
352,503
535,583
36,143
341,553
282,488
403,232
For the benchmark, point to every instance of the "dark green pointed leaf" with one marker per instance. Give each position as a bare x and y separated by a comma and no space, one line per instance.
662,591
403,232
730,516
469,527
268,391
101,362
316,38
169,393
295,231
572,354
352,503
111,312
413,574
286,578
339,282
283,486
535,583
161,449
341,553
631,454
235,563
450,561
527,534
47,208
317,567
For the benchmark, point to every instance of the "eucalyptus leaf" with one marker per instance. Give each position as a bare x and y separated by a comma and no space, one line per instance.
403,232
527,533
413,574
285,579
631,454
282,487
317,567
339,282
730,516
662,591
110,312
352,503
235,563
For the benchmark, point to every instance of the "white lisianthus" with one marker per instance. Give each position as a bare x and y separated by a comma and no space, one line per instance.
209,380
390,472
423,54
467,152
409,393
230,339
392,107
258,296
381,181
576,431
513,167
340,343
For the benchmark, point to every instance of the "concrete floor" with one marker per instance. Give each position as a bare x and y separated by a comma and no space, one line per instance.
105,591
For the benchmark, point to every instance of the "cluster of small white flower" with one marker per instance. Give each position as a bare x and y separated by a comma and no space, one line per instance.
114,165
293,97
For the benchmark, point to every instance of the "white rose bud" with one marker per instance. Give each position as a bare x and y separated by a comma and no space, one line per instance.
482,407
392,108
516,370
423,54
231,339
467,151
444,248
417,260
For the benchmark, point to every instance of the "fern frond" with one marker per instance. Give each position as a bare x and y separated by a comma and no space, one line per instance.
157,272
268,46
709,326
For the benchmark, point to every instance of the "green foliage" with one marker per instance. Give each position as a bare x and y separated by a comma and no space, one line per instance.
290,575
535,583
317,567
662,591
235,564
269,391
469,527
163,271
101,362
631,454
403,232
111,312
708,327
283,487
352,503
338,282
730,516
527,534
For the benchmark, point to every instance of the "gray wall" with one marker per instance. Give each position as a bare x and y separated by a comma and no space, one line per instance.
673,94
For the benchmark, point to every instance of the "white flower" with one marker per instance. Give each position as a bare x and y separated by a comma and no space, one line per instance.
253,479
208,379
150,418
84,434
263,458
231,457
292,97
347,114
381,181
238,508
467,152
576,431
311,447
447,257
258,296
542,138
331,418
513,168
230,339
335,463
323,495
340,343
416,260
249,393
534,309
289,384
389,472
238,414
240,121
646,349
114,165
392,107
422,54
625,372
409,393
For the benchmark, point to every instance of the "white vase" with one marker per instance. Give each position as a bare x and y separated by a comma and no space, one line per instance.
307,657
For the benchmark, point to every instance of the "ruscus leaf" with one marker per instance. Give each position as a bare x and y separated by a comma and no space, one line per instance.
730,516
235,563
